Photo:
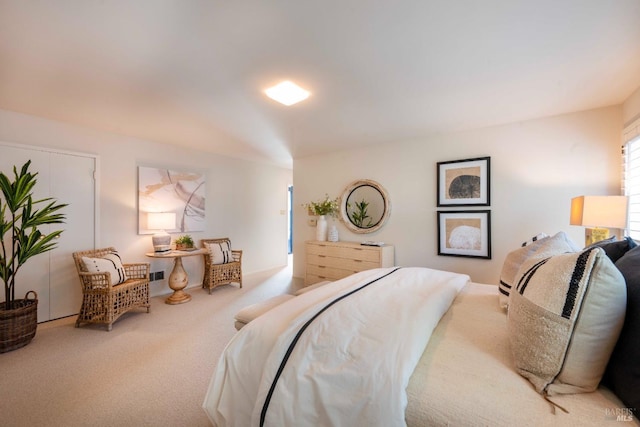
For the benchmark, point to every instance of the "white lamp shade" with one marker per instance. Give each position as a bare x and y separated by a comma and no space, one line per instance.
161,220
599,211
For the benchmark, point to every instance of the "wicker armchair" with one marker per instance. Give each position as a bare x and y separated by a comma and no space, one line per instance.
103,302
221,274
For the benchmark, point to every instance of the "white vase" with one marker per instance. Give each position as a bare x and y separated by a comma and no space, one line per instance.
321,229
332,234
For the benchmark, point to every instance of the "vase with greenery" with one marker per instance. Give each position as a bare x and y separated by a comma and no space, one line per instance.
184,242
326,206
321,209
21,216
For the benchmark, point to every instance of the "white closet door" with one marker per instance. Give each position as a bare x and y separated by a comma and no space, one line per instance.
72,182
69,179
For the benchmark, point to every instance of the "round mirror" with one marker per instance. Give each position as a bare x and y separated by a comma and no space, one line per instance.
364,206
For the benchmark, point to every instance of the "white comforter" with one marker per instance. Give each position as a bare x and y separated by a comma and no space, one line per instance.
349,366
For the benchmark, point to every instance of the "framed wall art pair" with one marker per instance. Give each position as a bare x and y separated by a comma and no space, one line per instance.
464,183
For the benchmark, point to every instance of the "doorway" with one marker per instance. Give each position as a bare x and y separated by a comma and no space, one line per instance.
290,220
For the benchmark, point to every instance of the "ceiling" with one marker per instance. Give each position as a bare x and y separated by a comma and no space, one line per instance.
193,72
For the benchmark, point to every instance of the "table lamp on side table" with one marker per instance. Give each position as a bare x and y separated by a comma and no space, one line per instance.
161,221
599,213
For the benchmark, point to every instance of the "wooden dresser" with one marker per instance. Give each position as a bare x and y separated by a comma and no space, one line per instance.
335,260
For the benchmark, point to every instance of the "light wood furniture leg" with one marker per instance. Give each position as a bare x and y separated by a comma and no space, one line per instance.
178,280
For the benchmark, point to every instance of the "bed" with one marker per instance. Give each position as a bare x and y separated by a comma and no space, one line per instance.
456,366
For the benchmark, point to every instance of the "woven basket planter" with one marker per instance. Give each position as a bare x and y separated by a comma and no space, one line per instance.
18,325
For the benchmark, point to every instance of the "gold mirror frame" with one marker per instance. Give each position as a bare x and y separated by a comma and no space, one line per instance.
358,189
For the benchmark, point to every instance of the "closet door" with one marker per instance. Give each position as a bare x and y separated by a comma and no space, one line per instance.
72,182
69,178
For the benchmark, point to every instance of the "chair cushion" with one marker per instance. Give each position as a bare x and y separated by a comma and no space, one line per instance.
565,314
220,252
252,311
109,263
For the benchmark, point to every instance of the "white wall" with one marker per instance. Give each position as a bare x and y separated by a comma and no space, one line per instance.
536,168
631,108
244,199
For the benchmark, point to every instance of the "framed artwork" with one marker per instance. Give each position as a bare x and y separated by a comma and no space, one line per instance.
178,195
464,182
465,233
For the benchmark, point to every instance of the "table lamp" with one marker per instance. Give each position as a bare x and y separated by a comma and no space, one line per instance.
161,221
598,214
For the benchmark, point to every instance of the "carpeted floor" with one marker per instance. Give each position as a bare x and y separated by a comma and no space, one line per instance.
151,370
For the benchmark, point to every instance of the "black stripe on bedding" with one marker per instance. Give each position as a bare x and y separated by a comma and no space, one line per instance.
265,407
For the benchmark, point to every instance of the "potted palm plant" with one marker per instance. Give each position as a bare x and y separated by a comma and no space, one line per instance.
21,239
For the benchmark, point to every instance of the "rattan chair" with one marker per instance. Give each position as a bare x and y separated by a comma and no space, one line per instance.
221,274
105,303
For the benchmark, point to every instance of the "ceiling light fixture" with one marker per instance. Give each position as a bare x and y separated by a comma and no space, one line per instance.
287,93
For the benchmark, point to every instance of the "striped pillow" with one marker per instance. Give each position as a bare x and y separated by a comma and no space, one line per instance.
110,263
565,315
539,245
512,263
220,252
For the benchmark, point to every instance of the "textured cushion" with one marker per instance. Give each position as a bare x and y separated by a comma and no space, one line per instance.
615,249
565,315
220,252
252,311
110,263
623,371
540,245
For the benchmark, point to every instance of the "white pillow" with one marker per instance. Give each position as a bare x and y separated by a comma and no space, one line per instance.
220,252
565,315
110,263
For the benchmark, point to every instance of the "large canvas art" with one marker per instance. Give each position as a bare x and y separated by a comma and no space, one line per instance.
166,190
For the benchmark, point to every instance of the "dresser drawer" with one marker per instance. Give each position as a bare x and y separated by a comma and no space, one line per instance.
329,273
343,263
335,260
311,279
362,253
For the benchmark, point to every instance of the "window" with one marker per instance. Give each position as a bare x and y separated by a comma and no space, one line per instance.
631,178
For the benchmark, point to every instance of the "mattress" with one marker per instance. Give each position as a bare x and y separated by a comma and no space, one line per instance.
466,376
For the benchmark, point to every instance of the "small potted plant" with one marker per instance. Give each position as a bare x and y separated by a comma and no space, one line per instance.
184,242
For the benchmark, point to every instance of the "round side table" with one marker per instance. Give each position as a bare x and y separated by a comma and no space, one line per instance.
178,279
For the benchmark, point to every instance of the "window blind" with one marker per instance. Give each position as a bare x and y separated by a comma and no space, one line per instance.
631,176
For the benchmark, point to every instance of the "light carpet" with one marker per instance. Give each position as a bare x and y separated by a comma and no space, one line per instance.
150,370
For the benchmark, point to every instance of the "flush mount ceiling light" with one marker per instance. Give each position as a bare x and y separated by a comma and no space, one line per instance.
287,93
